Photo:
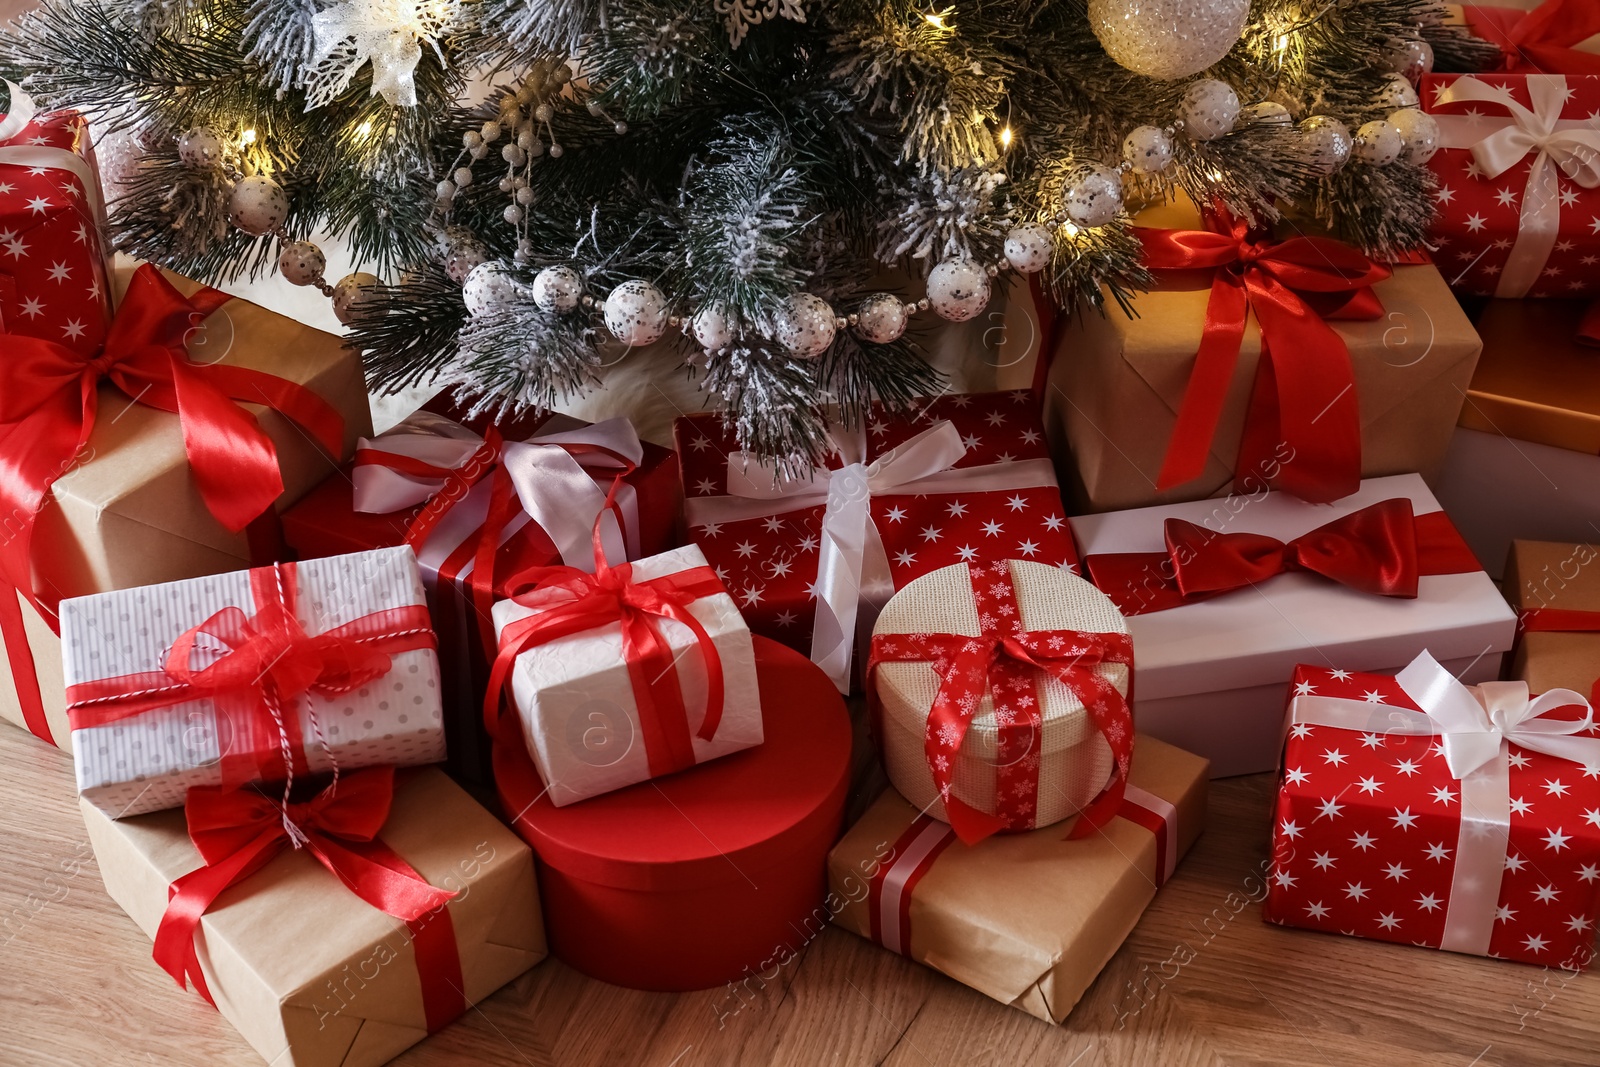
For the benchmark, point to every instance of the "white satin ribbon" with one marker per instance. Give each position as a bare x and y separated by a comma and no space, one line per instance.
1475,726
557,489
1498,143
853,578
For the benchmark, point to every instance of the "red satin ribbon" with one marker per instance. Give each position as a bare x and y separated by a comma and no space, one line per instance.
574,601
1557,621
1540,41
237,832
1001,661
271,661
1383,549
1304,397
49,395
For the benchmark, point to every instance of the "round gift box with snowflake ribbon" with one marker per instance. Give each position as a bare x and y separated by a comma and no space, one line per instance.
972,629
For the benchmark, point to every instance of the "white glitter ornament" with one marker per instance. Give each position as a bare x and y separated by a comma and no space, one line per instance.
388,33
489,287
806,326
1326,142
1378,143
1266,113
1093,194
258,205
352,291
557,289
1420,132
1148,149
958,289
1028,247
461,256
301,263
881,318
636,313
1397,92
1409,57
1209,109
200,148
711,328
1168,39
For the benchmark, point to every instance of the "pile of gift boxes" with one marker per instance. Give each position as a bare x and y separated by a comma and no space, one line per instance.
465,692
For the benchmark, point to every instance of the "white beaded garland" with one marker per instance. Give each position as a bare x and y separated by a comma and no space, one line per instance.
1326,142
200,148
1420,132
557,289
461,256
711,328
636,313
881,318
1028,247
1378,143
958,289
490,286
1093,194
806,326
1168,39
301,263
1410,57
1209,109
258,205
1148,149
351,292
1397,92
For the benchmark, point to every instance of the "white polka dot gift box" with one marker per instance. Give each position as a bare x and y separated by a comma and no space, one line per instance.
1419,810
269,674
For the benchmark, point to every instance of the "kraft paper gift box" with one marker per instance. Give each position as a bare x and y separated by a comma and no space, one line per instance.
1028,919
1555,588
128,511
144,754
1211,670
1117,384
310,974
596,713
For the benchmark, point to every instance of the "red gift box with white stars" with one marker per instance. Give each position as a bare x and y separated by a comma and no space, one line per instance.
53,278
1369,837
1518,195
985,491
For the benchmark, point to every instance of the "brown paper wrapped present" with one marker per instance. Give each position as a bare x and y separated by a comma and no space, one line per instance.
1555,587
1117,384
1028,919
128,512
310,974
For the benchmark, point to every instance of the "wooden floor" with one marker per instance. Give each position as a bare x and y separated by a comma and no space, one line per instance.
77,985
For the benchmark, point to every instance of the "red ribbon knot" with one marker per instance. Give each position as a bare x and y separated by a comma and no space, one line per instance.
1540,41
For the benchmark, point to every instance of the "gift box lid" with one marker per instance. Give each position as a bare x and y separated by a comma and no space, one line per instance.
1256,635
1536,381
727,819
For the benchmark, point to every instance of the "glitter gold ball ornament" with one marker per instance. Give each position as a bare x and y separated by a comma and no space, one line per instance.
490,286
806,326
557,289
881,318
1209,109
301,263
1168,39
1397,92
1028,247
1093,194
958,289
461,256
1410,57
1148,149
351,292
710,327
1326,142
1378,143
200,148
636,313
258,205
1420,132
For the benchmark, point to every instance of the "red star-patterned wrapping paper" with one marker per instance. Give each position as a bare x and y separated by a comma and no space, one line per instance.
770,564
1480,219
1367,823
53,281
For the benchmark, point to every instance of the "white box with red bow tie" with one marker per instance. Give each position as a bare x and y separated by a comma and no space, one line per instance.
1225,597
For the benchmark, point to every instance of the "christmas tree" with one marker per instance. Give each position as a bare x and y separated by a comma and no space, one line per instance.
793,190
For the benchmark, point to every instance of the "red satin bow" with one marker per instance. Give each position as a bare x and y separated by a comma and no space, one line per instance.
1382,549
1540,41
270,661
1001,662
1302,432
237,832
574,601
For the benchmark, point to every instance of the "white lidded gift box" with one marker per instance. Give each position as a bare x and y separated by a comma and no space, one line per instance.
258,675
637,671
1226,596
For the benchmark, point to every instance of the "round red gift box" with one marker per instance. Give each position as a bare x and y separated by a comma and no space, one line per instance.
706,876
